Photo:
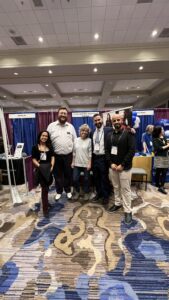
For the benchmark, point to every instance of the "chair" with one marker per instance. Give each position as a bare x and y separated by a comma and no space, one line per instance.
140,172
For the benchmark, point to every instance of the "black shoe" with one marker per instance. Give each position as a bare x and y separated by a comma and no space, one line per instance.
96,199
162,190
114,208
128,218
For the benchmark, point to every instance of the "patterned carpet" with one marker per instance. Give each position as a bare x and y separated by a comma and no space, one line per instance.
82,252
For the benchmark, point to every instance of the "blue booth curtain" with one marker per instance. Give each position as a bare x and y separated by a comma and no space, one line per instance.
78,121
24,131
144,121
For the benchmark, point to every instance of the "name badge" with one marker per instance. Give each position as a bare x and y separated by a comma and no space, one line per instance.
151,144
114,150
97,147
43,156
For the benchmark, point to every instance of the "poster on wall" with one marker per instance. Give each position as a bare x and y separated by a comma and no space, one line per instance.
126,112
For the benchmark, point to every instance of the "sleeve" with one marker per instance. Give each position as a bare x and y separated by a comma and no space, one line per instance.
74,147
90,148
143,138
108,145
131,149
74,133
157,145
34,152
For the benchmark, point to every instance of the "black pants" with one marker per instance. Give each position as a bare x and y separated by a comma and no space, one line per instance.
63,172
100,176
160,176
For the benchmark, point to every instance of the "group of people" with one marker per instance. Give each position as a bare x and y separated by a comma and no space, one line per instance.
107,151
155,142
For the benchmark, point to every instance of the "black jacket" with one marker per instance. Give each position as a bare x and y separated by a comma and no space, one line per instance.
158,144
125,143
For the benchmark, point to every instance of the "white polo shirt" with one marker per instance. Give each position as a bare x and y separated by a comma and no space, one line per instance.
62,137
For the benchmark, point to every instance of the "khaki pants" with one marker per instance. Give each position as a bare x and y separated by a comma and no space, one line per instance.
121,182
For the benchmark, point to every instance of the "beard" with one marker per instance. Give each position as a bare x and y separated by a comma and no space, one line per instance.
62,120
117,126
99,125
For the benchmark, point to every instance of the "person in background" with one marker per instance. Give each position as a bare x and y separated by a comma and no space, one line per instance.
120,150
43,159
62,135
100,165
147,139
161,148
108,121
82,154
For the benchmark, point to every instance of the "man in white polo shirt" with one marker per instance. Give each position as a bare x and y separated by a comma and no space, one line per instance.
62,135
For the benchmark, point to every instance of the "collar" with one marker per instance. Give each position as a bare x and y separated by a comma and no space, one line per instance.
58,123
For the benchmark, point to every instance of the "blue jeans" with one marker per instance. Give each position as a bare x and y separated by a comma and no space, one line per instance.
76,179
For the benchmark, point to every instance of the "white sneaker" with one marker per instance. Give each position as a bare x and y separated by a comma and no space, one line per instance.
58,196
69,195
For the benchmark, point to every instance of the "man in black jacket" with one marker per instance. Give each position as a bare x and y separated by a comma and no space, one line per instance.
120,149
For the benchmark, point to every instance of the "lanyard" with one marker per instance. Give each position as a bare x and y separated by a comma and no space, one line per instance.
119,138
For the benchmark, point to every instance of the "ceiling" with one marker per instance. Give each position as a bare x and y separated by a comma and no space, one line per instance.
38,76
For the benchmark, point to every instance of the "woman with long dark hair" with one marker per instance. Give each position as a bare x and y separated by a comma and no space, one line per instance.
161,148
43,159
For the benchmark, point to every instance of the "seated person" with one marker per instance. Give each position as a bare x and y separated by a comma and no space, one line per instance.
147,139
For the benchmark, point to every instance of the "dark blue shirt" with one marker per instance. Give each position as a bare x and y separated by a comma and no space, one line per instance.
147,138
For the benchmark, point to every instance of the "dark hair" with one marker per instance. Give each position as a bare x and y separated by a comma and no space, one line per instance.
48,142
156,131
108,117
97,115
62,107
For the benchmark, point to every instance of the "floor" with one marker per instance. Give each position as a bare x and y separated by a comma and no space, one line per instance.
83,252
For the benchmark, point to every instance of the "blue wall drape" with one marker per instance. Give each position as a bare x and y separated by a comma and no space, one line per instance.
144,121
24,131
78,121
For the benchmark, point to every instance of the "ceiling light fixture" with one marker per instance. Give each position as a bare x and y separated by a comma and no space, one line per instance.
95,70
16,73
154,33
138,87
40,39
141,68
4,96
50,71
96,36
46,84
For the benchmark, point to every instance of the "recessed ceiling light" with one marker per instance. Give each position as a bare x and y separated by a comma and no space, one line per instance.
25,92
40,39
16,73
46,84
137,96
96,36
138,87
127,88
50,71
154,33
95,70
141,68
4,96
75,90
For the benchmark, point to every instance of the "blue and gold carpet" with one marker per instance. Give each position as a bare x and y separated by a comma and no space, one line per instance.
82,252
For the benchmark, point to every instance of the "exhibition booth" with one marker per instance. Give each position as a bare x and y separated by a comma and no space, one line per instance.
24,128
